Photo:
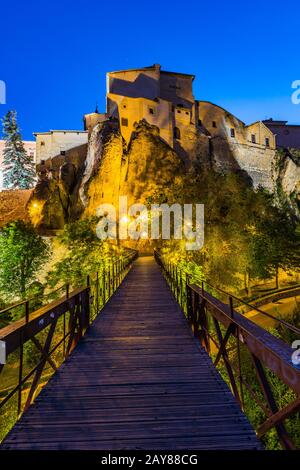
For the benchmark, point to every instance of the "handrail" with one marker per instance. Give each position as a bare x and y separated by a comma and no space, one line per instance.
65,319
286,324
66,287
29,299
214,323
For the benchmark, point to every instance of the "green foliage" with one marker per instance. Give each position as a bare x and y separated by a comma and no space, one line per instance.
19,172
86,254
246,236
22,254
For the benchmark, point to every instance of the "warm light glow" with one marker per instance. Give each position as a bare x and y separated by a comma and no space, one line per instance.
35,210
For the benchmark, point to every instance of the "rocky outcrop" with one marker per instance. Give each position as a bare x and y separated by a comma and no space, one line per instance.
287,170
55,200
73,186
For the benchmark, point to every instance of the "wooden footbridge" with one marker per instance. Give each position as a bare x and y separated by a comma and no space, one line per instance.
140,376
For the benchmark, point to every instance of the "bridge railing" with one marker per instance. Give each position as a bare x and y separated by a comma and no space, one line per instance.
233,341
48,335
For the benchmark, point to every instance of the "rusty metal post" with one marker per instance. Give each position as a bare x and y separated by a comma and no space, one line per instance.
27,311
231,306
20,373
97,292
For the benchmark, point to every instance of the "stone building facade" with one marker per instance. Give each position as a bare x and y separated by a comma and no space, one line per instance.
54,143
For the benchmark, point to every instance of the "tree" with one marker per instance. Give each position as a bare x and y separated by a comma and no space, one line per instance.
22,254
19,172
276,244
85,254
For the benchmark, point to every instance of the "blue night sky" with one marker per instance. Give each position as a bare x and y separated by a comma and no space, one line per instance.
54,55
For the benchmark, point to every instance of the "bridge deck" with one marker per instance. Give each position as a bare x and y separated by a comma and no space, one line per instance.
138,380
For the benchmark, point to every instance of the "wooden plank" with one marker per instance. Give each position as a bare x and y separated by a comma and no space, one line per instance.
138,379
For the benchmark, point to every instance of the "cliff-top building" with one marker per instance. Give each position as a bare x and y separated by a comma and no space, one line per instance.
165,99
194,129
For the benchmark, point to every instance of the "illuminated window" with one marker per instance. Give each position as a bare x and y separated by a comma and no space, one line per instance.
267,142
124,122
176,133
232,132
214,124
253,138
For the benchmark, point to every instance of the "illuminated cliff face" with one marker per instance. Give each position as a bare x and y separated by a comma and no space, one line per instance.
145,167
137,172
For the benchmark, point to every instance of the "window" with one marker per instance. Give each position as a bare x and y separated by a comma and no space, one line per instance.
267,142
187,112
214,124
42,144
199,122
178,111
124,122
176,133
124,106
63,152
42,162
151,110
253,138
232,132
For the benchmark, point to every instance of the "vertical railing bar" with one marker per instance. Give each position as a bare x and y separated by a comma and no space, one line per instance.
20,373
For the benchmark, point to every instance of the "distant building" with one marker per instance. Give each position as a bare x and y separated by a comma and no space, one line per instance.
54,143
30,148
287,135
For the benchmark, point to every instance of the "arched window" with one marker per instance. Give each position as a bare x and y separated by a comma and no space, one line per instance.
176,133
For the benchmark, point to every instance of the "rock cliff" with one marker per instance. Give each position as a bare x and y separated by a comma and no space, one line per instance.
109,168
